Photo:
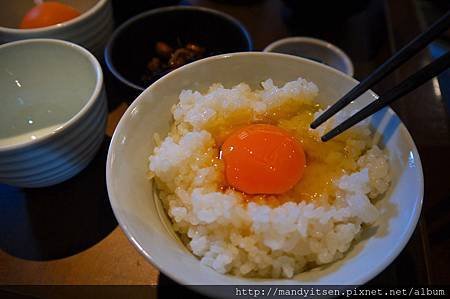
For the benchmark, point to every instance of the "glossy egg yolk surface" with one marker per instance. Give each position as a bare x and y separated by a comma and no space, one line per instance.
262,159
47,14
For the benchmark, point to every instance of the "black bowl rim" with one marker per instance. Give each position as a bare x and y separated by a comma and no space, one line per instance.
125,25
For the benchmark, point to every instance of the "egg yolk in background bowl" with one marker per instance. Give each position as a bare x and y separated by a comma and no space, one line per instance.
47,14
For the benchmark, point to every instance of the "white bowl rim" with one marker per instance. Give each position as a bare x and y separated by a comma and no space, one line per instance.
316,41
86,107
88,13
179,277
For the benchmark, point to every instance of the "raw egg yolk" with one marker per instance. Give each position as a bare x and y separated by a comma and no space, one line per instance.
47,14
262,159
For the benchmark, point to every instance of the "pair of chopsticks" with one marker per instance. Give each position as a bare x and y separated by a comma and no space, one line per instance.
411,83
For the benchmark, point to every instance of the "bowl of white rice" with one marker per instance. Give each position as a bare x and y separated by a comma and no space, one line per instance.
342,223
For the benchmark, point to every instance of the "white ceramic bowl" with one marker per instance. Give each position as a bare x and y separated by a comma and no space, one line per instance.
53,111
91,29
315,49
143,220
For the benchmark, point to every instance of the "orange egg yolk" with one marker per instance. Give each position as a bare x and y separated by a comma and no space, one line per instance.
47,14
262,159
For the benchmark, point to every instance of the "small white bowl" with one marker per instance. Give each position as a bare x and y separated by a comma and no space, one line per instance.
314,49
91,29
144,221
53,114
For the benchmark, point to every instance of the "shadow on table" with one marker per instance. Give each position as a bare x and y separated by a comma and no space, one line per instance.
167,288
57,221
117,93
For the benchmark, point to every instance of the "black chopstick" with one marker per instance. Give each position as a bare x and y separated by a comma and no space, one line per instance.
386,68
411,83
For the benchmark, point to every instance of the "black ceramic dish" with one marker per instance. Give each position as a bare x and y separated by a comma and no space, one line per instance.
123,10
132,44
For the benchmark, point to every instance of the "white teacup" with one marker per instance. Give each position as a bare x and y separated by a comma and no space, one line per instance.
53,111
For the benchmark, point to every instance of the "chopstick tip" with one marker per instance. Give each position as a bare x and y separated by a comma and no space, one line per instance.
316,123
325,138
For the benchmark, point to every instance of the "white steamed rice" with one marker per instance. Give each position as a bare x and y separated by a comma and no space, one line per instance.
253,239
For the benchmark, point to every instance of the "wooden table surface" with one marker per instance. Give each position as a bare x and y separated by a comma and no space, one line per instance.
67,234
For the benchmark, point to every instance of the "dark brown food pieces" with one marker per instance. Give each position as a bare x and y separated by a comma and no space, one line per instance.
163,49
167,59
